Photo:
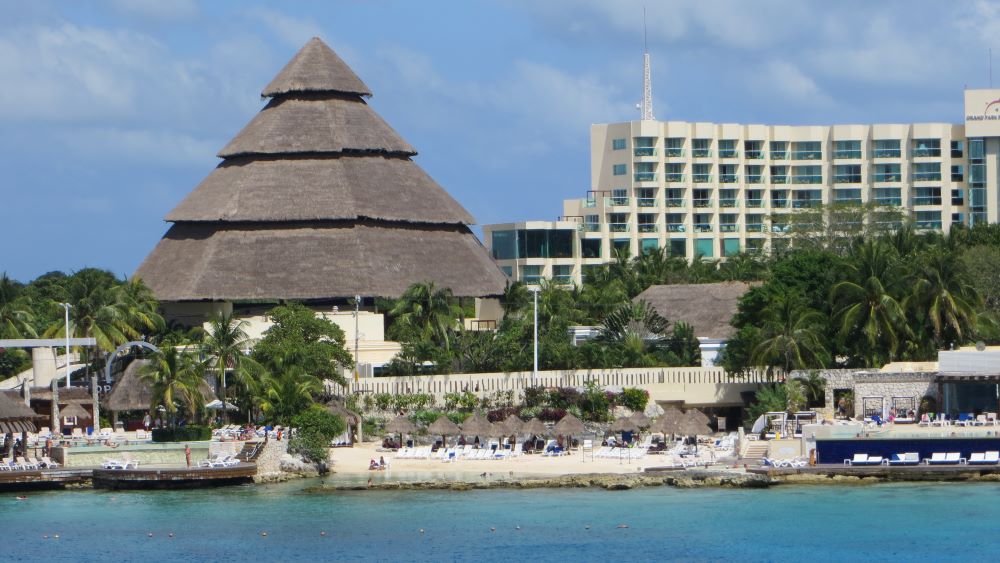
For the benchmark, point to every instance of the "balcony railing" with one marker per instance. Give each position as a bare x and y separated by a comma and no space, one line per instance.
754,154
702,227
644,151
754,179
675,228
853,200
703,202
807,155
847,178
926,176
779,179
755,228
926,152
848,153
728,178
929,225
728,153
729,202
645,176
896,201
563,279
808,179
645,201
675,202
590,202
675,176
591,227
806,203
886,153
779,203
616,201
729,227
674,152
886,177
647,227
701,153
780,228
755,203
927,200
618,227
701,178
779,155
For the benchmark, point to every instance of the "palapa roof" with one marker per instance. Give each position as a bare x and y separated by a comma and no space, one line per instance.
444,426
400,425
317,199
535,426
12,409
569,424
478,425
707,307
67,395
623,424
131,393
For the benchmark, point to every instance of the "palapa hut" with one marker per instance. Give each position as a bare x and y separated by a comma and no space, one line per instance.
401,425
354,431
317,199
478,425
130,394
444,427
15,416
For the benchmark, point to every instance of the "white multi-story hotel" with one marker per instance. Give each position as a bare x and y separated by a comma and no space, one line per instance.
712,190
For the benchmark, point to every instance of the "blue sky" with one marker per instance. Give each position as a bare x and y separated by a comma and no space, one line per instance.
110,112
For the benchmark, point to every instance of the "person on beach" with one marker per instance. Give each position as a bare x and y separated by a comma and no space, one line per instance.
372,465
187,454
381,462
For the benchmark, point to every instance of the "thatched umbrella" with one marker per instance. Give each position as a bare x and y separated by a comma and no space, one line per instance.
74,410
640,420
512,425
401,425
670,422
570,426
15,416
478,425
697,416
535,427
350,417
443,427
623,424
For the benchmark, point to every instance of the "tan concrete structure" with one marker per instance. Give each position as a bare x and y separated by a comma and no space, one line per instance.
716,189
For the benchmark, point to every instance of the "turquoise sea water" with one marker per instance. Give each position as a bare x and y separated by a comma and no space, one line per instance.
884,522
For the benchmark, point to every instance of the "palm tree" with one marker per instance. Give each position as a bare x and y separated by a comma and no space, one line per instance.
868,312
814,386
637,330
226,343
944,296
429,310
288,393
175,377
15,316
790,335
515,298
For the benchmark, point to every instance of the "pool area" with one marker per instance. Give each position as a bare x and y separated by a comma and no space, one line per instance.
147,453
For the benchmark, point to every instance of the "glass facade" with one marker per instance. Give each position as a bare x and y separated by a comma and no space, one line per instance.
704,248
977,181
532,243
618,144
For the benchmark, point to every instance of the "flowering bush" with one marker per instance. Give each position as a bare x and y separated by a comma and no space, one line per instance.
551,414
633,399
501,414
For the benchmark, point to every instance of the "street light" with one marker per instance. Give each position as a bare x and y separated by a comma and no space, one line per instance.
67,307
534,372
357,363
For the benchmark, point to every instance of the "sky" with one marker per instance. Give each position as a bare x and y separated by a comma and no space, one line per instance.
112,111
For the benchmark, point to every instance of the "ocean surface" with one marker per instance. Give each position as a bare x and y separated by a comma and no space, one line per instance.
787,523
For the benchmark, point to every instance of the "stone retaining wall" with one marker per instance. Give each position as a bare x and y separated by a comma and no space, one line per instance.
269,460
866,383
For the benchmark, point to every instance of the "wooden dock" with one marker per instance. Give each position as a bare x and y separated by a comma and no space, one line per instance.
39,479
173,478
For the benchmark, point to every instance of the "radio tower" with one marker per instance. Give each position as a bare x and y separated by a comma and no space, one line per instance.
647,88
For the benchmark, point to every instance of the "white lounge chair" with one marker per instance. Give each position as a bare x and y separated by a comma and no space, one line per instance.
908,458
864,459
950,458
25,464
984,458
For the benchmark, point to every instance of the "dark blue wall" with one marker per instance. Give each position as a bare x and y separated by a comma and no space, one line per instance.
836,451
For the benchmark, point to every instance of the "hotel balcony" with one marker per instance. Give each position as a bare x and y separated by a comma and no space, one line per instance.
618,227
645,176
675,202
755,203
674,153
847,178
754,155
809,179
644,151
675,228
729,154
806,203
807,155
886,177
728,178
886,153
592,227
925,152
703,202
779,179
616,201
755,228
647,227
894,201
701,178
927,200
645,201
926,176
729,228
929,225
779,203
729,202
754,179
779,155
701,153
702,227
846,154
675,176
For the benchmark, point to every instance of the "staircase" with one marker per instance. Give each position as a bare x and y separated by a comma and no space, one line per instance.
755,451
250,451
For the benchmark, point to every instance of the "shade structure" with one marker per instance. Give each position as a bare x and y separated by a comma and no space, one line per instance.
535,427
17,426
670,422
694,428
15,416
74,410
511,425
478,425
697,416
400,425
640,420
216,405
131,393
317,198
569,425
444,426
350,417
623,424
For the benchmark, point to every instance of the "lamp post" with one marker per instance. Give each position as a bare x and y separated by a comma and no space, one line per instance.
357,335
67,306
534,372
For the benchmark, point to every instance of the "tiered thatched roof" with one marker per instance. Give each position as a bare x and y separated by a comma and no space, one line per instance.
317,199
15,416
707,307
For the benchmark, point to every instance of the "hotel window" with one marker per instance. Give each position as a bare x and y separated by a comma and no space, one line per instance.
927,196
779,174
618,144
886,148
678,248
929,220
647,222
729,222
645,197
779,150
590,247
702,222
701,148
957,197
779,198
645,172
545,243
957,149
675,222
621,247
847,174
807,150
703,248
846,149
729,198
507,271
957,173
807,174
591,223
675,197
618,169
727,148
675,146
531,275
887,196
754,174
755,223
648,245
562,274
730,246
702,173
848,197
618,222
702,198
926,171
755,245
675,172
779,224
926,147
753,150
885,173
755,198
958,218
619,196
588,271
802,199
728,173
504,245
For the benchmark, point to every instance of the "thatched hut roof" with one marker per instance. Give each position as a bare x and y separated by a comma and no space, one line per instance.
317,199
707,307
697,416
670,422
313,189
444,426
569,425
640,420
400,425
74,410
316,68
67,395
512,425
13,409
350,417
131,393
536,427
623,424
316,261
478,425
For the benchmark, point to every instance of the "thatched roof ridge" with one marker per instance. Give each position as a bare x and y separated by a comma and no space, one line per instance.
569,424
316,261
130,393
305,189
707,307
14,410
316,125
444,426
478,425
535,426
316,68
67,395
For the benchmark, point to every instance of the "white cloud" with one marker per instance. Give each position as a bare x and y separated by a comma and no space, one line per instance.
291,30
157,10
138,145
779,79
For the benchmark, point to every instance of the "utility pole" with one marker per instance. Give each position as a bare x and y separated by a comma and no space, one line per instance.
357,335
67,306
534,372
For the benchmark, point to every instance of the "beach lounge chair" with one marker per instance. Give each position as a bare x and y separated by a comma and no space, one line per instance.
950,458
908,458
112,464
7,465
25,464
984,458
864,459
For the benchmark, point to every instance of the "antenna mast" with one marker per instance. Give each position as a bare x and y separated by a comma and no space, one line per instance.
647,88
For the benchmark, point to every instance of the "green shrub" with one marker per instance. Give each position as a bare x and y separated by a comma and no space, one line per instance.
633,399
190,433
316,427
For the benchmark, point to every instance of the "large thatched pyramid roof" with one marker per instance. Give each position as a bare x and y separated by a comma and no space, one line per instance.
317,198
